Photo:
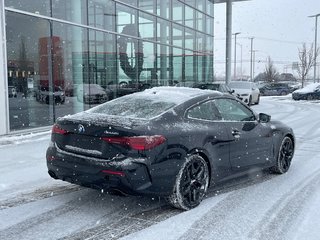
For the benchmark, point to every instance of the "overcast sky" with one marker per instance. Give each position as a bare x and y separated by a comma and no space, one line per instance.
279,28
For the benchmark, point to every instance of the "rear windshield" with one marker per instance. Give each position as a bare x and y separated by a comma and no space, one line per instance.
134,106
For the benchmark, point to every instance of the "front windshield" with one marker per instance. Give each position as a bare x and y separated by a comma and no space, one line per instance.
240,85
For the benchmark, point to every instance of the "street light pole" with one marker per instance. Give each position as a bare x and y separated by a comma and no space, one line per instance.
253,63
229,39
235,55
315,46
251,59
240,61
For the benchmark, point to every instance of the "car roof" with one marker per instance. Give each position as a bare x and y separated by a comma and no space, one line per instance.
179,94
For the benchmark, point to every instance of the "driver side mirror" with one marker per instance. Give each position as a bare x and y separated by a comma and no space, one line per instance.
264,118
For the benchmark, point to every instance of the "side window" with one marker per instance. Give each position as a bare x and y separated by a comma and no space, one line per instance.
232,110
204,111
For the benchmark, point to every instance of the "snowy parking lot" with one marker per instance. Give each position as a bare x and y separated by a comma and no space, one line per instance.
260,206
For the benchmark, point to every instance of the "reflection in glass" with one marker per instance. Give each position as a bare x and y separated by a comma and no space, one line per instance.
189,17
62,69
102,14
147,5
28,65
147,26
177,11
189,66
131,2
177,35
38,7
177,65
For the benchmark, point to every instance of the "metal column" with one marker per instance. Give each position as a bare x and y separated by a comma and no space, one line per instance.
229,39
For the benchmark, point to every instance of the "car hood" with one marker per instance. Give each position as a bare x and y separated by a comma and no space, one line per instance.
310,88
242,91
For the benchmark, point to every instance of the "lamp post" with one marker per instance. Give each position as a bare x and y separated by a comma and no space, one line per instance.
229,39
251,57
253,63
235,54
315,46
240,60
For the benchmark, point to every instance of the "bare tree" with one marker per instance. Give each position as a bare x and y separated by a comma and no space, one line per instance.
306,57
270,71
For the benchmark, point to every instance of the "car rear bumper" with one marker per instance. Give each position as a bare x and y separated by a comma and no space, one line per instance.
130,175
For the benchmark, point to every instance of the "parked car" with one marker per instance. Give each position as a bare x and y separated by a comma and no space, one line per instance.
124,88
185,84
42,94
276,89
12,92
248,91
221,87
310,92
92,93
167,141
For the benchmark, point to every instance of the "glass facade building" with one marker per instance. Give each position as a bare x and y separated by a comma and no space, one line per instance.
62,57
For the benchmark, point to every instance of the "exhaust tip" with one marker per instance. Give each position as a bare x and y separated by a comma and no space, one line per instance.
52,174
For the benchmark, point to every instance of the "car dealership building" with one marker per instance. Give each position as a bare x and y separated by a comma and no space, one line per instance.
52,48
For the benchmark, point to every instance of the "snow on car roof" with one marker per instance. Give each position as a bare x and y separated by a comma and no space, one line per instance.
309,88
148,104
176,94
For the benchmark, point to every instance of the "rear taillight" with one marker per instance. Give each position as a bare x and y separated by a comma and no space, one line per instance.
115,173
137,143
58,130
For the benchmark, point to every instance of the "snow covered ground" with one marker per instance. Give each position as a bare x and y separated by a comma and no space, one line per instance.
262,206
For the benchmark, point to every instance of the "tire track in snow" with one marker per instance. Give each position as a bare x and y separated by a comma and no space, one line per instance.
125,224
219,222
38,194
278,220
32,227
18,231
212,225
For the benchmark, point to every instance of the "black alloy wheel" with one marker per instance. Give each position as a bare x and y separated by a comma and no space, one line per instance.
250,101
191,184
258,101
285,156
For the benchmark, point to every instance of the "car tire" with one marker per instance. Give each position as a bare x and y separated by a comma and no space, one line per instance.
258,100
250,101
123,84
309,98
283,93
284,157
191,183
103,99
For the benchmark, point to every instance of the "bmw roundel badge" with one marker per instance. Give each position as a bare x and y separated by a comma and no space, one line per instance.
81,128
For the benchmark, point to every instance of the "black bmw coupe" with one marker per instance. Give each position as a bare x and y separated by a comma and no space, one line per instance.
167,141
